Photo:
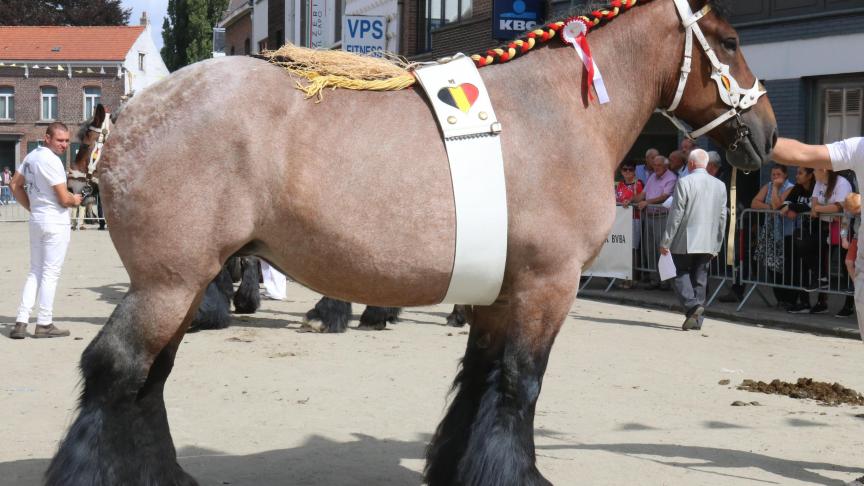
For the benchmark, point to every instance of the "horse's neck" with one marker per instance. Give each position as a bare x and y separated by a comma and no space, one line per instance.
638,54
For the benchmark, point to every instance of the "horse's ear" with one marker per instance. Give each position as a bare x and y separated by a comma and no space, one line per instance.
99,116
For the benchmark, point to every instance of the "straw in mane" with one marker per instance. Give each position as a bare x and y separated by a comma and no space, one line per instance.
338,69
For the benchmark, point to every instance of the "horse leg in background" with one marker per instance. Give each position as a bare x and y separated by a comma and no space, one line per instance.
215,309
235,269
121,433
376,318
89,205
247,300
458,317
328,315
99,211
487,436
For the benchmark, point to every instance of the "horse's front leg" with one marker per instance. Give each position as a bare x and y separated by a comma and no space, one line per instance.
121,434
487,435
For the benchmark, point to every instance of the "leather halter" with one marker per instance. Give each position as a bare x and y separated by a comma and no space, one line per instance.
738,99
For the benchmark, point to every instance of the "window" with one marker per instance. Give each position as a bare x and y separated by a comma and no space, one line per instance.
49,103
441,12
141,61
843,112
92,97
7,103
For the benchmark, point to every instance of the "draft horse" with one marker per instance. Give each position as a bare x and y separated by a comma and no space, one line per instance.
283,183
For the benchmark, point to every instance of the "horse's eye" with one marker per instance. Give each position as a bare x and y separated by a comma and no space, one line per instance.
730,43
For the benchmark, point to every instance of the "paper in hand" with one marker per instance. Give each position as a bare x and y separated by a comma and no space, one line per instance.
666,267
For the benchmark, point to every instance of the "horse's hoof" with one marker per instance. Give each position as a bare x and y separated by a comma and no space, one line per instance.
372,326
312,325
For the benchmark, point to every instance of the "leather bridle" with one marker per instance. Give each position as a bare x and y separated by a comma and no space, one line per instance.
737,98
96,153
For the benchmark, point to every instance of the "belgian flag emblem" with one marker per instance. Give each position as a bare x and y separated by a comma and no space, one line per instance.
461,97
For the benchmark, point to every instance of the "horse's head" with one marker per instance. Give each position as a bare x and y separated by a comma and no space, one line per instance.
720,97
90,134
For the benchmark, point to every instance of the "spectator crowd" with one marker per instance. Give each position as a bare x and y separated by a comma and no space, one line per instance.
798,235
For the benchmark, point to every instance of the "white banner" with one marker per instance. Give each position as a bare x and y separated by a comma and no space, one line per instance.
616,258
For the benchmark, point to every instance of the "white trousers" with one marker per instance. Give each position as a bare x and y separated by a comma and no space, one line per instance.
48,245
275,283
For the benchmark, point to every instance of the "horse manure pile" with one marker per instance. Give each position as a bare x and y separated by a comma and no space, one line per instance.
827,393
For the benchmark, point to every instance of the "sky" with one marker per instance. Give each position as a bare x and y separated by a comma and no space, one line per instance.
157,10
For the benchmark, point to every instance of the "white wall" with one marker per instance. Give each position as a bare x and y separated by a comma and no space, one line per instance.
824,56
259,24
154,66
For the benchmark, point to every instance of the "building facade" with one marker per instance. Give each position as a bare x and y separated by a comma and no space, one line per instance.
50,73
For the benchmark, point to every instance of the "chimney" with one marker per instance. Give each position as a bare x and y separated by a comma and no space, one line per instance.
144,20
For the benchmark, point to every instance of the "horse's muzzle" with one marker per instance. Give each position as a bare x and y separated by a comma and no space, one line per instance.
752,151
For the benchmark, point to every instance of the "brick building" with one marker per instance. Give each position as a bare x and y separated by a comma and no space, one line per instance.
50,73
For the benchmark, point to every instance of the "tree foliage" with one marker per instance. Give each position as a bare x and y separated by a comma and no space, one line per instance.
63,12
187,31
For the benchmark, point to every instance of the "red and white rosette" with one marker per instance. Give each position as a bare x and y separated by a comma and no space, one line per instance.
574,33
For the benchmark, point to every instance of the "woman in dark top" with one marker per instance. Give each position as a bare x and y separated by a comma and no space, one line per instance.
798,202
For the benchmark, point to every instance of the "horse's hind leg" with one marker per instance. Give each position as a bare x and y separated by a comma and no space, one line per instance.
458,317
328,315
376,318
487,435
247,300
121,435
215,309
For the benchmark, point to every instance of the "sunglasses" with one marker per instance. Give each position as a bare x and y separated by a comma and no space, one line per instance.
627,169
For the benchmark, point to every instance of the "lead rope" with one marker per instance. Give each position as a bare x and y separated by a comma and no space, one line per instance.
730,240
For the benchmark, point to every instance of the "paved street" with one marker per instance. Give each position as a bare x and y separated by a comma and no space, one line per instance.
628,398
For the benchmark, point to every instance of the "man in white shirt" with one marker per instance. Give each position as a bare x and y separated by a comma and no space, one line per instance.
842,155
48,201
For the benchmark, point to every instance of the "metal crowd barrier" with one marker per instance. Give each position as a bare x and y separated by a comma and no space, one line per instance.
800,254
86,214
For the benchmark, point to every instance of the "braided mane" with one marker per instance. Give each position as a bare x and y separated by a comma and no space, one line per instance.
521,46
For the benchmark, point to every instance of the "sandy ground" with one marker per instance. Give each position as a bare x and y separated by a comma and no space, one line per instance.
628,398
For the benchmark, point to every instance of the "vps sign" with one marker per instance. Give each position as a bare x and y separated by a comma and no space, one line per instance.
511,17
363,34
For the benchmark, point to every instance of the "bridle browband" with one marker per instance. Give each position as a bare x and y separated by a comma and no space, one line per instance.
738,99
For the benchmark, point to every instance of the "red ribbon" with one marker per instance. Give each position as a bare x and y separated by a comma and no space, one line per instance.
582,40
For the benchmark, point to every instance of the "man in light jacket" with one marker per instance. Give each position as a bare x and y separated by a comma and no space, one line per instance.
694,234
